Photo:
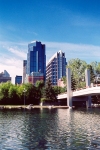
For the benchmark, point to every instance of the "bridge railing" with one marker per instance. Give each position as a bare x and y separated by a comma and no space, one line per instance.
94,85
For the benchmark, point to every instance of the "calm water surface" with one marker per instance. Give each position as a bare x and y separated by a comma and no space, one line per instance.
50,129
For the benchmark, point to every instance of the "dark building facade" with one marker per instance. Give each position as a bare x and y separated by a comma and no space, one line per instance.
4,76
18,80
34,77
56,67
36,60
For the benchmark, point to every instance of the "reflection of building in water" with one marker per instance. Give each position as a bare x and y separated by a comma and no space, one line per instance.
33,77
5,76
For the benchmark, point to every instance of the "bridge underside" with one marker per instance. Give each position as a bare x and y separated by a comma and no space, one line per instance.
79,101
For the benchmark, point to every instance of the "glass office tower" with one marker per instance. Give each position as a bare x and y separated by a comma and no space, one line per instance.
56,67
36,58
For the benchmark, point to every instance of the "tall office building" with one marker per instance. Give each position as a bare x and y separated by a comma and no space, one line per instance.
36,59
24,69
56,67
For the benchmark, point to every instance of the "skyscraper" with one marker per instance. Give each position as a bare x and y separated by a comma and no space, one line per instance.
56,67
36,58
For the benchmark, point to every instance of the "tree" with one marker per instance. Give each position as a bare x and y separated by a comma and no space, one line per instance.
92,75
48,92
13,94
40,85
32,94
4,92
64,80
73,82
98,68
77,67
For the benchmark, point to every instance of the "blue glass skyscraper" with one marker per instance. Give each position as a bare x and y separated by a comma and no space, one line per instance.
36,58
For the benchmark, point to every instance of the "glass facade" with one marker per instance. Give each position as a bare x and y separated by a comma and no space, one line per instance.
18,79
56,67
36,58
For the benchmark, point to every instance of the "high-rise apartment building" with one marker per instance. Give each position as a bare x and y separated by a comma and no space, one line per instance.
36,59
56,67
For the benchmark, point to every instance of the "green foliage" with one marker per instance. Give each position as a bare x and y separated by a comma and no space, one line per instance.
77,67
73,82
49,92
98,68
92,75
64,80
4,91
43,99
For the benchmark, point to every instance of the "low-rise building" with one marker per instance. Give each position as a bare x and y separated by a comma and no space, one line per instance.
34,77
4,76
18,79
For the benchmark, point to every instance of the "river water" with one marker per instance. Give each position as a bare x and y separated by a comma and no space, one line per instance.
50,129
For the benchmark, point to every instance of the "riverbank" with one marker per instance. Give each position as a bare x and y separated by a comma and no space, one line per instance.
30,107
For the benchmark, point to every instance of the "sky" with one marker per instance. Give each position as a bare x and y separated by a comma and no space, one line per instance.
72,26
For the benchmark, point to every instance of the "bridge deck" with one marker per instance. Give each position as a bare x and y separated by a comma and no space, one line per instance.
83,92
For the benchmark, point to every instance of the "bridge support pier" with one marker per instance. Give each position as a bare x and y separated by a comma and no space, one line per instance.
87,79
69,91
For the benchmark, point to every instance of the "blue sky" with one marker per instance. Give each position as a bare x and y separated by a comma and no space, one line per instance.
72,26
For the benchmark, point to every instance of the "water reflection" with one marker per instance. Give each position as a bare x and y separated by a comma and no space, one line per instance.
50,129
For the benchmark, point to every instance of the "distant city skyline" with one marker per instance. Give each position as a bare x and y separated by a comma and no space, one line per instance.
72,26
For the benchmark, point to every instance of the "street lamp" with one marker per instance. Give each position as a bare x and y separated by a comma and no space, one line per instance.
24,90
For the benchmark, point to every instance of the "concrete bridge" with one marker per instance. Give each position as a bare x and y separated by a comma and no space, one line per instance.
79,95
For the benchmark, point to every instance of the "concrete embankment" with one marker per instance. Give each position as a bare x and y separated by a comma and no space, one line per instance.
30,107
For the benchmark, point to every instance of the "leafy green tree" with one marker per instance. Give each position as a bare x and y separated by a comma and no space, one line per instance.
64,80
98,68
57,90
40,85
32,94
4,92
77,67
13,94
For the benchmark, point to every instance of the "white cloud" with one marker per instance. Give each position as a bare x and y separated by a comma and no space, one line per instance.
12,56
17,52
12,65
82,51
